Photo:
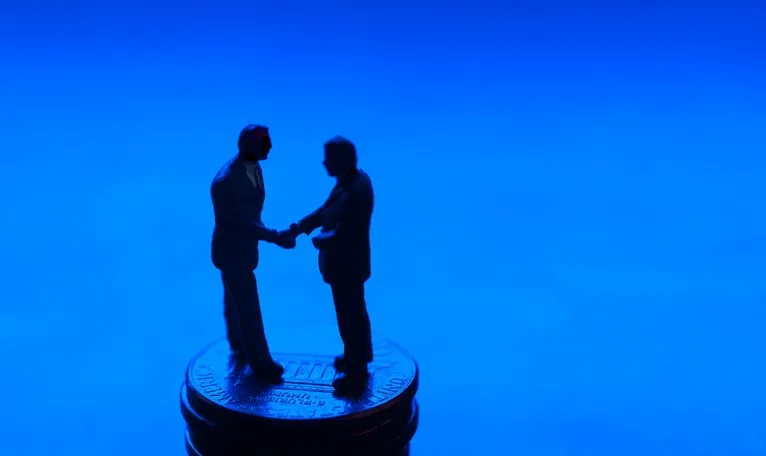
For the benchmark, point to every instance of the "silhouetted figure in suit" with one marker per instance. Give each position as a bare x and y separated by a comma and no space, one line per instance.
238,194
344,257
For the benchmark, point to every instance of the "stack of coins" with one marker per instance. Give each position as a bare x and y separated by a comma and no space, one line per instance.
229,413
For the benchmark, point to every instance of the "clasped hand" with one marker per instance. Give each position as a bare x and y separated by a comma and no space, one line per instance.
285,239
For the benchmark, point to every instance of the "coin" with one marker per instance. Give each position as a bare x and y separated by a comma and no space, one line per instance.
224,391
226,407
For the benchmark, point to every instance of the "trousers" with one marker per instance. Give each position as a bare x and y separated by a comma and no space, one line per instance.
353,324
242,313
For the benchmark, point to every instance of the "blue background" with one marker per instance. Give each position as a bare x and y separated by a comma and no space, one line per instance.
569,229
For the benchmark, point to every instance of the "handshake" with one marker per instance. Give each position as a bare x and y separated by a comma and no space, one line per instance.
286,238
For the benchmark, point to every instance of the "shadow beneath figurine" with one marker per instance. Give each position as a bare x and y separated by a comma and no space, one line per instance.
353,395
351,387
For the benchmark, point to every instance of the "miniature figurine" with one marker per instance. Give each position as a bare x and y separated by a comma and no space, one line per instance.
344,257
238,194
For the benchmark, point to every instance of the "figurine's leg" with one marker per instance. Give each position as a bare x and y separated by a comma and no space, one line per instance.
342,316
353,325
232,321
244,293
361,322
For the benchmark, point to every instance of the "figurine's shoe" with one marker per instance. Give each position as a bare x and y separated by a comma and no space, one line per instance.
340,362
351,384
269,372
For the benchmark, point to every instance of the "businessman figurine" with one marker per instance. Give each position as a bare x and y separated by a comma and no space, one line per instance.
238,194
344,258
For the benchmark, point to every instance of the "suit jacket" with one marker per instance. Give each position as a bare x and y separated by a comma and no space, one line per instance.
237,205
348,213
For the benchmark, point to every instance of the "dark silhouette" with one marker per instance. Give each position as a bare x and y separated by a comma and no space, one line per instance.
238,195
344,257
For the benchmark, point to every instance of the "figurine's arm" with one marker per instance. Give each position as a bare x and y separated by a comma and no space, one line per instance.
229,212
310,222
353,207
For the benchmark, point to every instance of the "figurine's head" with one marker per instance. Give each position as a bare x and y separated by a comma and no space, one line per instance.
254,143
339,156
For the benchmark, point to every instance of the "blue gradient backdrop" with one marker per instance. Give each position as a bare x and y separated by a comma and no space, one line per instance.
569,200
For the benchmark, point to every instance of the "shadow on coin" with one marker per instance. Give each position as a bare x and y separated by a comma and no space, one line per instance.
360,395
351,397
